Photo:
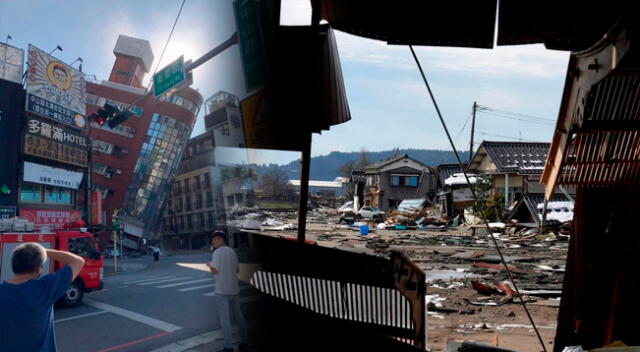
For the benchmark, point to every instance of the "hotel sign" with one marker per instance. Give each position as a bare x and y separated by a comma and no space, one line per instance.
55,90
47,148
40,128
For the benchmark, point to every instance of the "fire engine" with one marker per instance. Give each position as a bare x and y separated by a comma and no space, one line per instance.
78,242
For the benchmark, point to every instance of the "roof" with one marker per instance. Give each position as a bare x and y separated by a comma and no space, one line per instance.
596,141
446,170
532,202
520,157
382,163
561,25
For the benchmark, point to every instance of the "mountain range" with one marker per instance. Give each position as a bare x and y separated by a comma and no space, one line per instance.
325,167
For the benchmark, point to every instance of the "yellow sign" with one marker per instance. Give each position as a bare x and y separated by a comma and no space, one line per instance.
49,149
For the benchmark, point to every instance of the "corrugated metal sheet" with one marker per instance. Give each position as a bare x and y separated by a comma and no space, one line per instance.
605,148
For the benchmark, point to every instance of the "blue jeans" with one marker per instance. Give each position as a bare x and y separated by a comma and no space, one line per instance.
226,304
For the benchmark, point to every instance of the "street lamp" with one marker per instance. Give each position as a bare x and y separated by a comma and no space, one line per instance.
79,66
58,47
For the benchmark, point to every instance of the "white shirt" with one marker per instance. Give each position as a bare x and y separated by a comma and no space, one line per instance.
225,260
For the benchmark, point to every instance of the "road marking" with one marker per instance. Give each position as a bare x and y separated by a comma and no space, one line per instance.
158,324
135,342
131,277
197,341
79,316
196,287
145,280
165,280
185,283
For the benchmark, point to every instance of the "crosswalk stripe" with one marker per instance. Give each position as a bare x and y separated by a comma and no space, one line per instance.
164,280
185,283
146,280
196,287
129,278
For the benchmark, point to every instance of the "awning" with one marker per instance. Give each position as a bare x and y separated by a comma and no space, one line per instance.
562,25
597,136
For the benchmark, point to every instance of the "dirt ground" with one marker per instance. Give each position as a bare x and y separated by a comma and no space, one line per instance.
452,260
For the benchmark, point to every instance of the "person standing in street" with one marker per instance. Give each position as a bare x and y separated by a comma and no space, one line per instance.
224,266
26,300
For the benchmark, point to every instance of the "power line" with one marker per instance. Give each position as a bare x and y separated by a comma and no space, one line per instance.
538,122
509,137
482,107
168,39
463,127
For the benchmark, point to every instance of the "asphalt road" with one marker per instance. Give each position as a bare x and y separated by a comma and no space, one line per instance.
138,311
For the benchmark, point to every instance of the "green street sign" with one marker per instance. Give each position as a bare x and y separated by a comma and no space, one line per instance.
170,76
251,49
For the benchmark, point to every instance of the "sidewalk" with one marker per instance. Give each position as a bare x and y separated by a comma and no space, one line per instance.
208,342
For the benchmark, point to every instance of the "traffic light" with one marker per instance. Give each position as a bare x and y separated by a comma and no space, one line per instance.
119,118
110,115
104,114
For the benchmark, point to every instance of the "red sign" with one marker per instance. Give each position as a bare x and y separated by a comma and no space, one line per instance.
96,208
47,217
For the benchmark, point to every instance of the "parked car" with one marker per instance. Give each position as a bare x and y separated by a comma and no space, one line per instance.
368,212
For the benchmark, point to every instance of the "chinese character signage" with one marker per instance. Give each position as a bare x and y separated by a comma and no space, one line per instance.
54,218
11,63
52,176
49,149
55,90
38,127
7,212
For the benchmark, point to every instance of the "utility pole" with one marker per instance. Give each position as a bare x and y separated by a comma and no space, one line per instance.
473,127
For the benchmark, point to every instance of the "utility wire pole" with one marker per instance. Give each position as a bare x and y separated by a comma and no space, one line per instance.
473,127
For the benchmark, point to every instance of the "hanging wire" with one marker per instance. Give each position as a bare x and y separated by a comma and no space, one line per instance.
481,107
168,39
538,122
475,198
502,136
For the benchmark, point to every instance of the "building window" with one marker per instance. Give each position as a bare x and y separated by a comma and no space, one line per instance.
201,219
230,200
57,195
197,178
190,221
207,180
198,201
30,193
179,205
210,219
177,189
209,199
188,203
404,181
186,185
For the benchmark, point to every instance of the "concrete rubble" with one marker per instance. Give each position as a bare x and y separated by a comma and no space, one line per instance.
469,288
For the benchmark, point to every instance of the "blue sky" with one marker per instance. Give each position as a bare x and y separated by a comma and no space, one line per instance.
388,100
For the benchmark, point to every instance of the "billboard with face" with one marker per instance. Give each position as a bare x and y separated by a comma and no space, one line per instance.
55,90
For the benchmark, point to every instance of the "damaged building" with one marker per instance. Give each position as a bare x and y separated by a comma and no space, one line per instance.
386,183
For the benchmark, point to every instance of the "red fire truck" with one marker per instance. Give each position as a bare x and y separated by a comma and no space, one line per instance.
77,242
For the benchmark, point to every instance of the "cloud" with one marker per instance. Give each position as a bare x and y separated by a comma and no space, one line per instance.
524,60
